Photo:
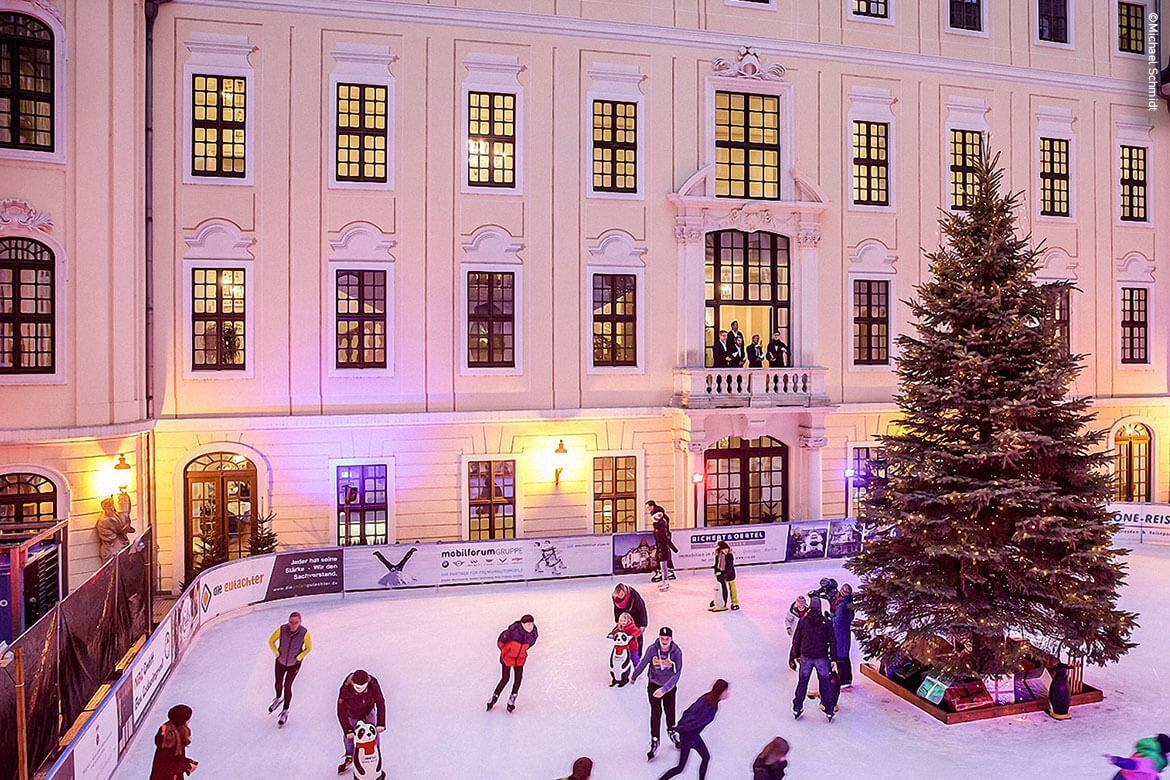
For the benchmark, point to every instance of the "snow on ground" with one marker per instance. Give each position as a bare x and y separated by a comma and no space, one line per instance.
434,652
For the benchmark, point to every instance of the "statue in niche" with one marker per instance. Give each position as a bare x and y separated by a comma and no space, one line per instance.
113,527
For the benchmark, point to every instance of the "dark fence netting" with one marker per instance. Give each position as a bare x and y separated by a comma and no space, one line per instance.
133,611
88,631
41,698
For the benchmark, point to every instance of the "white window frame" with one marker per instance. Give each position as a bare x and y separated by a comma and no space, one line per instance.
20,220
616,252
946,21
45,12
1115,46
494,250
1055,122
220,245
963,113
368,65
216,54
620,83
465,487
491,73
871,260
774,87
1136,271
1058,266
639,484
769,5
888,19
360,246
391,495
1133,131
872,104
1071,12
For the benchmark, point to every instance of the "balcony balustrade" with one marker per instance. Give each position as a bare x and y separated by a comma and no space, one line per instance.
707,388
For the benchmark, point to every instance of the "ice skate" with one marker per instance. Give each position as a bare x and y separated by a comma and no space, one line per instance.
663,585
796,714
656,576
813,694
283,718
346,763
275,703
653,748
735,607
512,703
492,702
714,608
828,714
672,575
673,734
613,683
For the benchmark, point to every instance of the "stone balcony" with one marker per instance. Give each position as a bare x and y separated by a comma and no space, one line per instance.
712,388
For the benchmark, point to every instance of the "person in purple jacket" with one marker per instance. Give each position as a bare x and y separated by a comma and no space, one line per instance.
697,717
359,697
664,658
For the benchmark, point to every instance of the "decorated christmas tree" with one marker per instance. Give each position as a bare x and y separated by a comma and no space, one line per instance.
213,544
987,521
263,537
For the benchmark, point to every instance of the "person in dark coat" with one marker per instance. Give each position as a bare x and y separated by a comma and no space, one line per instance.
696,718
514,642
842,615
755,353
737,355
582,769
720,350
626,599
663,547
814,645
358,699
170,746
772,761
735,335
725,577
777,353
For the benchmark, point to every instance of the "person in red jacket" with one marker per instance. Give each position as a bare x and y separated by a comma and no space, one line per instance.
514,642
170,746
359,697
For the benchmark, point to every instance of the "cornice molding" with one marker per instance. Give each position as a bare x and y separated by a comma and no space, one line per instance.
522,24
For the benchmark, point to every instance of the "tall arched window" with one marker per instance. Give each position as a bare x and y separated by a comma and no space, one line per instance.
28,504
220,497
746,481
27,312
747,281
1133,462
26,83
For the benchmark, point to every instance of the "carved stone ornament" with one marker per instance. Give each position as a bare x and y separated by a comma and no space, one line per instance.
748,65
809,236
686,232
693,447
46,7
18,212
812,442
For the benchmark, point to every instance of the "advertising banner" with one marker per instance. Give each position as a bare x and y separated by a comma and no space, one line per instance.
450,563
807,540
567,556
1141,523
95,753
389,566
844,537
633,553
306,573
124,695
151,668
233,585
185,620
758,543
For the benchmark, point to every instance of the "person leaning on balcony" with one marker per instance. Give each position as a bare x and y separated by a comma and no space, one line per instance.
721,349
755,353
777,352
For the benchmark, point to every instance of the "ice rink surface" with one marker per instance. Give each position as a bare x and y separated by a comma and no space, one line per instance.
435,655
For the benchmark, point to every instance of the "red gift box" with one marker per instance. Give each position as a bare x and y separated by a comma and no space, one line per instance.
967,696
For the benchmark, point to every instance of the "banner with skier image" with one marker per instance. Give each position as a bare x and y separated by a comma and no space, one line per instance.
807,541
567,556
756,543
389,566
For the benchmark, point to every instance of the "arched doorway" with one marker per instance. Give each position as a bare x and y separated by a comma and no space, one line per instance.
220,494
28,505
746,481
1132,462
748,280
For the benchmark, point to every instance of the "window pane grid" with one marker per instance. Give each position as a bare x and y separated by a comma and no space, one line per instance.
491,499
747,146
614,320
491,139
966,148
365,519
871,322
1131,28
27,310
490,319
218,125
26,83
1134,325
615,494
1062,319
875,8
615,146
867,462
1133,183
745,482
967,15
1054,177
361,319
1053,19
218,319
28,505
871,159
361,132
1133,463
746,269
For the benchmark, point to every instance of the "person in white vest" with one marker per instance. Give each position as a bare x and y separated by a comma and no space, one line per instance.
291,643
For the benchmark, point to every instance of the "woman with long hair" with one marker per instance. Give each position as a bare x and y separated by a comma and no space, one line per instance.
694,720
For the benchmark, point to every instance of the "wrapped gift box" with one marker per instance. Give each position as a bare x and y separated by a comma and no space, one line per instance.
1029,683
967,696
907,672
933,688
1002,688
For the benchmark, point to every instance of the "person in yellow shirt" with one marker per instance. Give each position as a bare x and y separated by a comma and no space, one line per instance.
291,643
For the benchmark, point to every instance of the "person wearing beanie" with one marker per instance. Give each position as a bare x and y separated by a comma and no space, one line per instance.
1146,763
514,642
626,599
360,698
582,769
814,645
665,661
772,761
170,746
696,718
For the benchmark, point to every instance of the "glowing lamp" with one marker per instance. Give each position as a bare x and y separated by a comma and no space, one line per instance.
850,473
696,478
560,458
123,474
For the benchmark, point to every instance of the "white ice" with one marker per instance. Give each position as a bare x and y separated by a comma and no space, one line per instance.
434,652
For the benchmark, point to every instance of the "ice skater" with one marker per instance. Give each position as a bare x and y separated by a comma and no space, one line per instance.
652,508
1146,763
797,610
290,642
360,698
624,655
696,718
772,761
663,547
724,578
394,575
170,746
626,599
514,642
842,614
814,645
665,662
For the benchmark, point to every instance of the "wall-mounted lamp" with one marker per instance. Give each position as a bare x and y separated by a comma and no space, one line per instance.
850,473
123,474
560,456
696,478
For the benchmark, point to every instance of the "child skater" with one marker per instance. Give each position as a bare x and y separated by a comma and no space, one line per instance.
624,656
724,578
1146,763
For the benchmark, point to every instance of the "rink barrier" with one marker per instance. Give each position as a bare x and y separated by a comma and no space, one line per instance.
95,752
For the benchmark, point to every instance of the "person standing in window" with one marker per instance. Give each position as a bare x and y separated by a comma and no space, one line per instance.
755,353
291,643
777,353
720,350
738,354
